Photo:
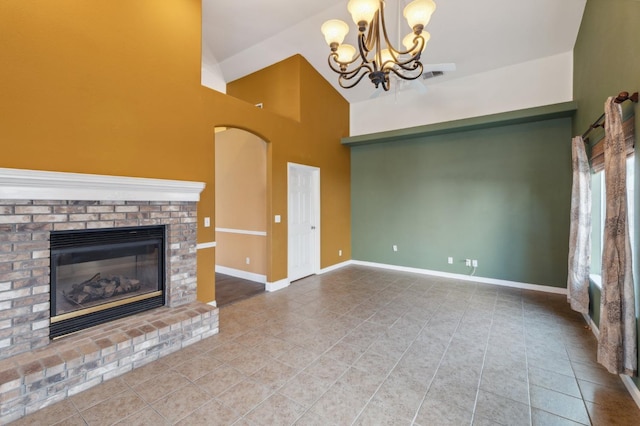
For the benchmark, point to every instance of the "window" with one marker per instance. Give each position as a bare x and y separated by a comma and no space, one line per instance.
598,206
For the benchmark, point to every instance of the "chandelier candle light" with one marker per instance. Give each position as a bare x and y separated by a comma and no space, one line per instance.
374,60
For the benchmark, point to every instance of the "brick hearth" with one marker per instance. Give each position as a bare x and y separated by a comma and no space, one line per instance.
35,371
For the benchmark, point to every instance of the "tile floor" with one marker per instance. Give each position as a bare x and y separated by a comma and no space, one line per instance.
367,346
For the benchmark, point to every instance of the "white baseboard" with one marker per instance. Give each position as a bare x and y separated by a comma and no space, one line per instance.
594,328
336,266
278,285
213,303
258,278
632,388
504,283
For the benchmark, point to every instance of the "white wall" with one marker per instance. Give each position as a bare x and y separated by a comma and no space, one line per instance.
529,84
211,75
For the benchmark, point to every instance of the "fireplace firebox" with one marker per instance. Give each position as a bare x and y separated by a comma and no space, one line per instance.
101,275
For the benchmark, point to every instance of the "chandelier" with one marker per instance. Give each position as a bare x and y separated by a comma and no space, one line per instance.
372,58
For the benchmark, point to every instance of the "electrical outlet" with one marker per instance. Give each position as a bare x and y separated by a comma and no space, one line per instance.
450,260
474,263
248,260
467,262
395,247
207,222
340,253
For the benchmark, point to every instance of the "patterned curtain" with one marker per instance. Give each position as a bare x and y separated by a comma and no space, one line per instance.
617,349
580,230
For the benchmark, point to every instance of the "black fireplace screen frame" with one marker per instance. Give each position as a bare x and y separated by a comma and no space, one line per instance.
82,243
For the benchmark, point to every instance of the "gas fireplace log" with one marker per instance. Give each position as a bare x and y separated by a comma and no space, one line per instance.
98,288
91,280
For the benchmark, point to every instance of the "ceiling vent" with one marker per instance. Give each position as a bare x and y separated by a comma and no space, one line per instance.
431,74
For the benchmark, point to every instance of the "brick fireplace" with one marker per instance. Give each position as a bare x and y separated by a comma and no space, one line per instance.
36,371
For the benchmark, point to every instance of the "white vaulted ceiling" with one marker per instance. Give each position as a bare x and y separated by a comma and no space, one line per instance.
241,37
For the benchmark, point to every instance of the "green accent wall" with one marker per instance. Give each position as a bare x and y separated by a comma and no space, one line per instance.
606,62
499,195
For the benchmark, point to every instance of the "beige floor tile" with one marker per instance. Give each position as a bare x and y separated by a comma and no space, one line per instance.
327,368
502,410
344,352
559,404
114,409
305,389
274,375
612,415
197,367
146,372
145,417
376,414
50,415
375,363
244,396
542,418
249,361
273,347
97,394
604,395
401,397
220,379
554,381
276,410
212,412
339,404
438,410
75,420
160,386
299,357
181,403
595,374
505,386
313,419
228,351
362,381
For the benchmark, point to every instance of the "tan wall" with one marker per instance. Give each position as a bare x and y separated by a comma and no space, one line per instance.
113,87
232,251
241,181
241,200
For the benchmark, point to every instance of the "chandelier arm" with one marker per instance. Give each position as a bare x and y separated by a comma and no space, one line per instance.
353,73
349,86
362,48
334,56
410,64
348,74
418,46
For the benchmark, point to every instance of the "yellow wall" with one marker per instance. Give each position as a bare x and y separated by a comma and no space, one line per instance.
324,120
113,87
276,87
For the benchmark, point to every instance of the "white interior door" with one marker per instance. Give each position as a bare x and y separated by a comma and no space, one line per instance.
304,221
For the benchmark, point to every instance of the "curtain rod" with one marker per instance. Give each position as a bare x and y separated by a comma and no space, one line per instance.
622,97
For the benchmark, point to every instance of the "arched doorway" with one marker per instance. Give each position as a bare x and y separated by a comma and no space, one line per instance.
240,214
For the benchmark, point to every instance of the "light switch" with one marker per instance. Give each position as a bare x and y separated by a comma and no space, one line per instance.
207,222
278,219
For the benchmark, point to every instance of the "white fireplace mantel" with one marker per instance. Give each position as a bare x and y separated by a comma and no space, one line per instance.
19,184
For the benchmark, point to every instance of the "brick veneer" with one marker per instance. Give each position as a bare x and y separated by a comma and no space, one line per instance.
53,370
